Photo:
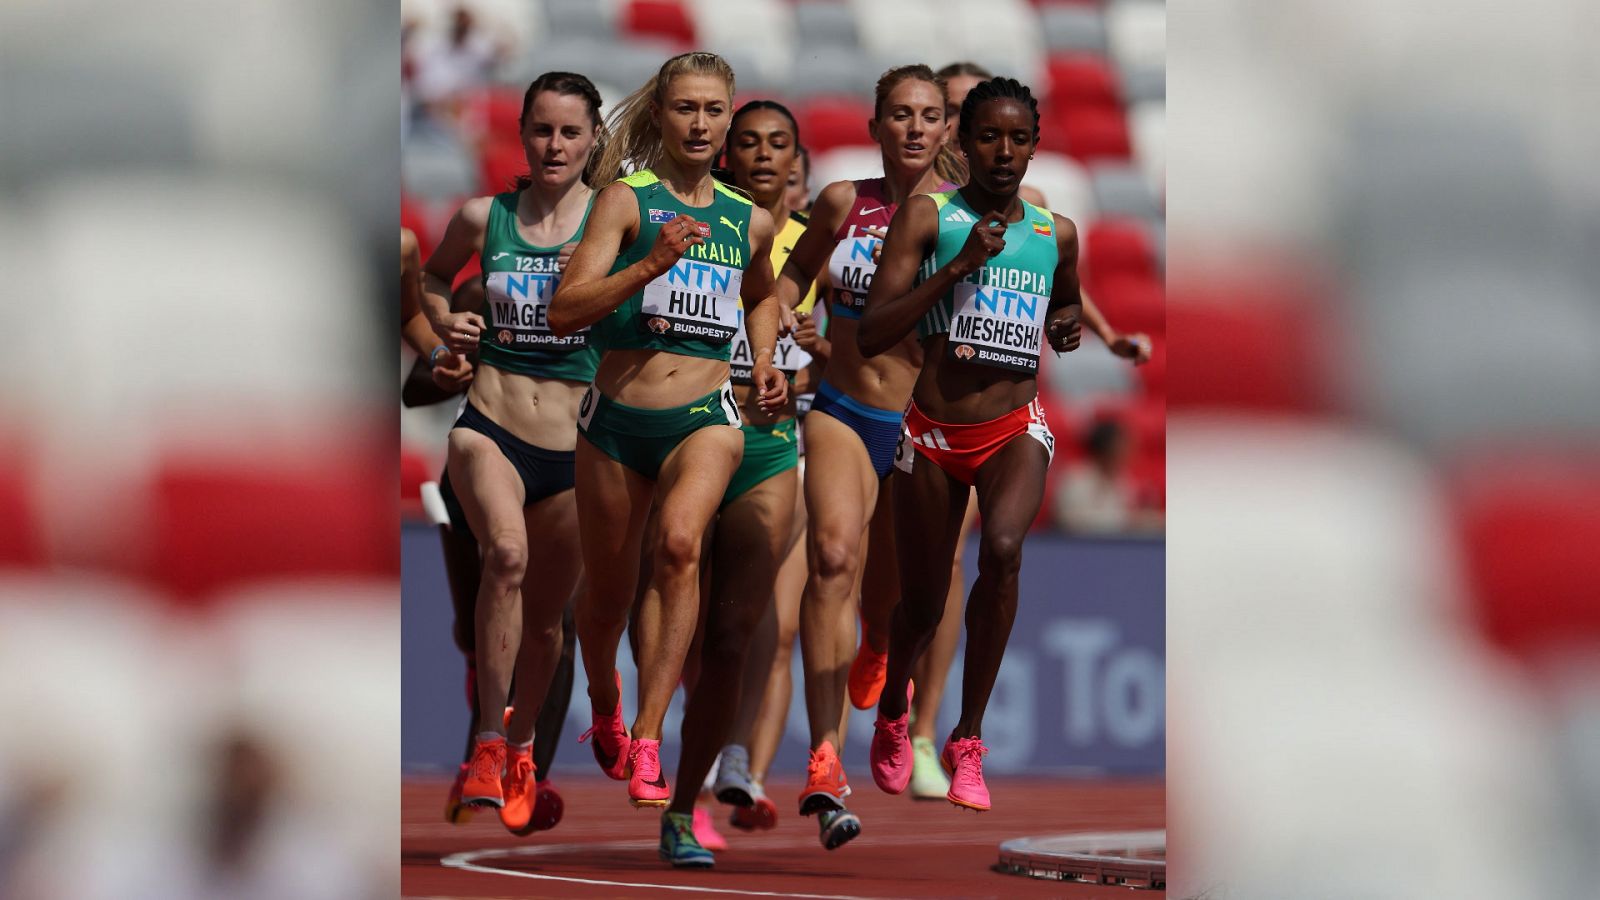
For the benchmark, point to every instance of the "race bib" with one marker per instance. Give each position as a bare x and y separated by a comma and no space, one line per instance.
788,357
997,327
520,305
693,300
850,272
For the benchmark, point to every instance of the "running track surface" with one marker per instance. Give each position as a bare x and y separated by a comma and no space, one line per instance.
907,848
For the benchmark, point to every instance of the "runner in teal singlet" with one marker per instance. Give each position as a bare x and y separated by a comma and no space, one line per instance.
984,278
510,458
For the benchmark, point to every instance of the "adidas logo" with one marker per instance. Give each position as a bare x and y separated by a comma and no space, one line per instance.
959,215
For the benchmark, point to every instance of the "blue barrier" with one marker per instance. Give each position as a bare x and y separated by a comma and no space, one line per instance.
1082,688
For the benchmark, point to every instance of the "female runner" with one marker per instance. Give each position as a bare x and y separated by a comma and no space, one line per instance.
510,456
665,263
1001,274
854,423
880,580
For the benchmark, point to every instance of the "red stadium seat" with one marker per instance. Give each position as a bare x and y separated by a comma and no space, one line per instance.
659,19
834,122
1091,134
1082,80
1118,247
502,162
21,540
1132,302
413,216
1528,531
1238,349
217,523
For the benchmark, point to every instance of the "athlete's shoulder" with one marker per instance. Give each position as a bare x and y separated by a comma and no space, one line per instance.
639,179
731,193
840,194
475,211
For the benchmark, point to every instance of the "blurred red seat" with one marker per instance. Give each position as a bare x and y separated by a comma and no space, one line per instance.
659,19
501,163
1238,349
1529,529
1132,302
1082,80
1118,247
414,217
1091,134
834,122
217,523
21,537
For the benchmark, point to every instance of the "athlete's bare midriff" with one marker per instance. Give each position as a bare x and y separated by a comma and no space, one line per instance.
884,381
541,411
657,379
961,393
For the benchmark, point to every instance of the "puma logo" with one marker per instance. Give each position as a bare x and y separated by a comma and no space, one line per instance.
784,435
705,408
737,229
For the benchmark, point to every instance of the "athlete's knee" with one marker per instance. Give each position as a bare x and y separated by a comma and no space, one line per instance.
505,559
678,551
1000,553
837,557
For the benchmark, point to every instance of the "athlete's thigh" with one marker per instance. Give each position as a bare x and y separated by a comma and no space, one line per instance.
928,508
755,523
840,485
487,484
612,501
555,559
695,476
1011,486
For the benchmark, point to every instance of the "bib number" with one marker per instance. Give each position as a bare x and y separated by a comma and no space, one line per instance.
519,305
850,272
996,327
693,301
788,357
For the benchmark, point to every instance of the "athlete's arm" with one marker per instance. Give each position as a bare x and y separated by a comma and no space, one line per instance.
587,293
811,251
462,238
761,314
895,302
1128,346
414,327
1063,319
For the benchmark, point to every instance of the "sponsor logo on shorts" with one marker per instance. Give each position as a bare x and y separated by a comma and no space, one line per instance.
661,216
965,351
659,325
704,407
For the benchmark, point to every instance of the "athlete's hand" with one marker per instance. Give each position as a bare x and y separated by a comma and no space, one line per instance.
452,372
881,234
1063,328
673,240
807,336
786,321
988,238
565,255
460,331
1132,346
773,385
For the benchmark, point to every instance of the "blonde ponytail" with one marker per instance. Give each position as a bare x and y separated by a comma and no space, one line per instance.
632,136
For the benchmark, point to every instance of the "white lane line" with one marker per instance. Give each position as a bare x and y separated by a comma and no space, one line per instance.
468,862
